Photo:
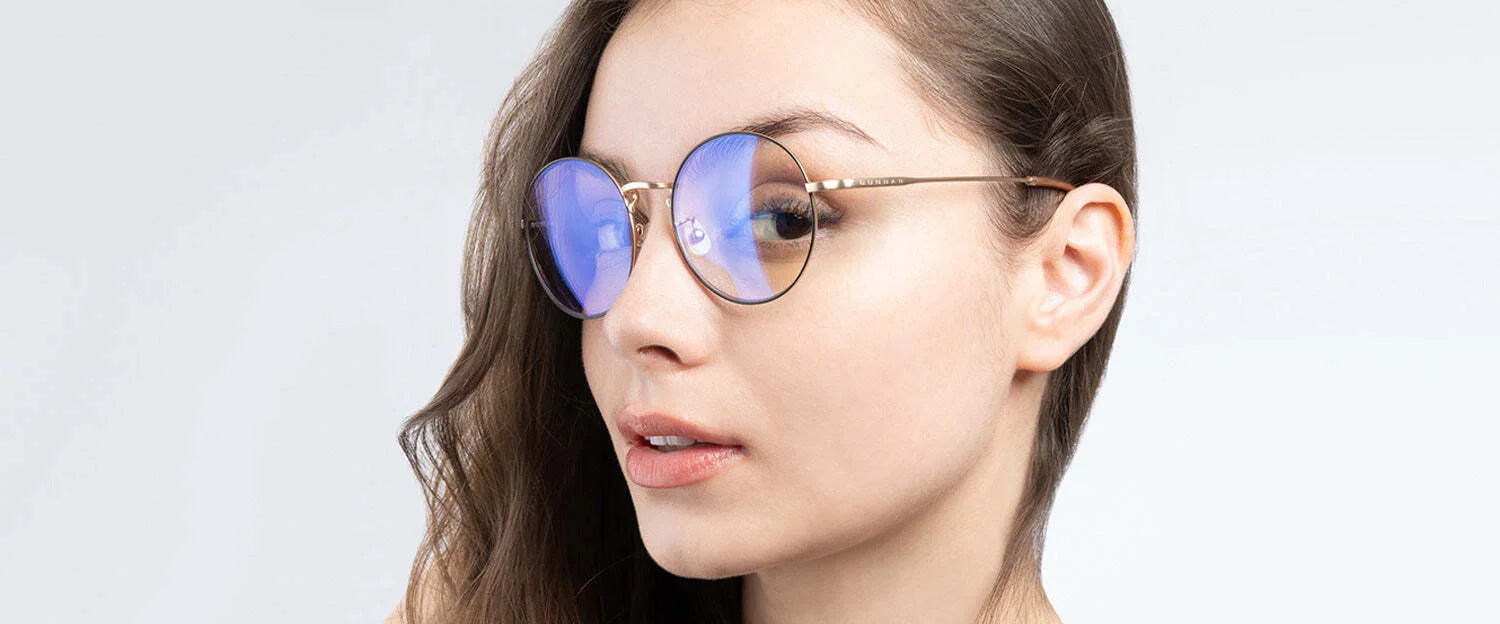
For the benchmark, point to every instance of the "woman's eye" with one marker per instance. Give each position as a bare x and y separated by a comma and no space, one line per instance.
786,218
781,221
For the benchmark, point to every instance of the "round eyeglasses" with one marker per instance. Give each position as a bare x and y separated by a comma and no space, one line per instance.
743,213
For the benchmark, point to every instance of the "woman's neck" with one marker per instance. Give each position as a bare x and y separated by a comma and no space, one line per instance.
1024,604
938,566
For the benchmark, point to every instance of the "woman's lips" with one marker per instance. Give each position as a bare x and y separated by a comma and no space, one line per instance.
635,423
651,468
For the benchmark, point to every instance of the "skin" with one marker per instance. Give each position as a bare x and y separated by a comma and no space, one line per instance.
887,402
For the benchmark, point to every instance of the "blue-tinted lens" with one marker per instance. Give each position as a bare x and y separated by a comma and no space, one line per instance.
582,244
744,217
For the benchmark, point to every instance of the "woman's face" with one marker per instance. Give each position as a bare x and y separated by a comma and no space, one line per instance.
881,383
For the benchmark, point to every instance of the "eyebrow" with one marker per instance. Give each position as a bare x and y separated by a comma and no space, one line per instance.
775,125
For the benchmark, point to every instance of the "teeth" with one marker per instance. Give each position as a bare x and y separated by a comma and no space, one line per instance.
670,443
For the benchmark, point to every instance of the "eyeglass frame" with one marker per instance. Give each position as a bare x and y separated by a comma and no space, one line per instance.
630,194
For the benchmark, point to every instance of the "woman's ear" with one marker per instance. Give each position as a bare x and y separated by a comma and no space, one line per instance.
1073,274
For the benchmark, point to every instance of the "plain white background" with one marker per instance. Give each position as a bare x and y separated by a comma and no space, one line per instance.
230,238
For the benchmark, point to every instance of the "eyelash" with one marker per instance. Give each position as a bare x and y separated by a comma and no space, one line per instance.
827,213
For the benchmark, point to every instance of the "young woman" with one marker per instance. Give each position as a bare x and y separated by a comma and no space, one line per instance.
876,252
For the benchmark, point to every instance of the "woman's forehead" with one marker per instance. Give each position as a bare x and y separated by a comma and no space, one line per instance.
676,74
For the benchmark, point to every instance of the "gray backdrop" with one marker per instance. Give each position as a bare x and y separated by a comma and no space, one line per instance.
229,249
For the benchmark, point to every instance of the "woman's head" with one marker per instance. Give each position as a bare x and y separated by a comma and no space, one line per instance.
945,339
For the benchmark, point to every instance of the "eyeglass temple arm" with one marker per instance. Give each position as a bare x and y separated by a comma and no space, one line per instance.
830,185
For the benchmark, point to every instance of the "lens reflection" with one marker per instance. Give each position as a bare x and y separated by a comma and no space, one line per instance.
582,247
744,216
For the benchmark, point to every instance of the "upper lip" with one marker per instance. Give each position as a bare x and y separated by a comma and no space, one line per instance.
636,422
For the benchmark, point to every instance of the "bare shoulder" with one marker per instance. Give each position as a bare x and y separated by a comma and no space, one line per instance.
396,616
428,599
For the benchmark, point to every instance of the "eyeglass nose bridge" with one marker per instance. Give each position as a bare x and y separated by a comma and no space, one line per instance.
631,192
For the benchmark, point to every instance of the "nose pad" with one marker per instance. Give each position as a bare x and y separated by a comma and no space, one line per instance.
638,219
640,239
638,222
637,225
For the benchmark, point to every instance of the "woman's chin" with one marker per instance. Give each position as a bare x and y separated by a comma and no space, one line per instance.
698,563
710,554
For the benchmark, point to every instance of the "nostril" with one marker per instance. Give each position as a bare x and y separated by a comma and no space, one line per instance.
656,354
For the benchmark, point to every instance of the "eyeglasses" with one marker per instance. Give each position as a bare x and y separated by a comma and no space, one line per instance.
744,216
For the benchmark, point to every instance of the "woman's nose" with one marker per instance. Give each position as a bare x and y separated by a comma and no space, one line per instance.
662,317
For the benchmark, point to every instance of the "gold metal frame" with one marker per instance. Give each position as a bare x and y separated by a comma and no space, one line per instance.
629,188
630,193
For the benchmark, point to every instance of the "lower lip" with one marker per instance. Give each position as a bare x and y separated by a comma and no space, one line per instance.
651,468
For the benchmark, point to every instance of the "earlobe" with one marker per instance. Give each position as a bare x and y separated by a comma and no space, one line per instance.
1082,257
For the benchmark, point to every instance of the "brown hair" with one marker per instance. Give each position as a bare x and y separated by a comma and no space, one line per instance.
529,516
